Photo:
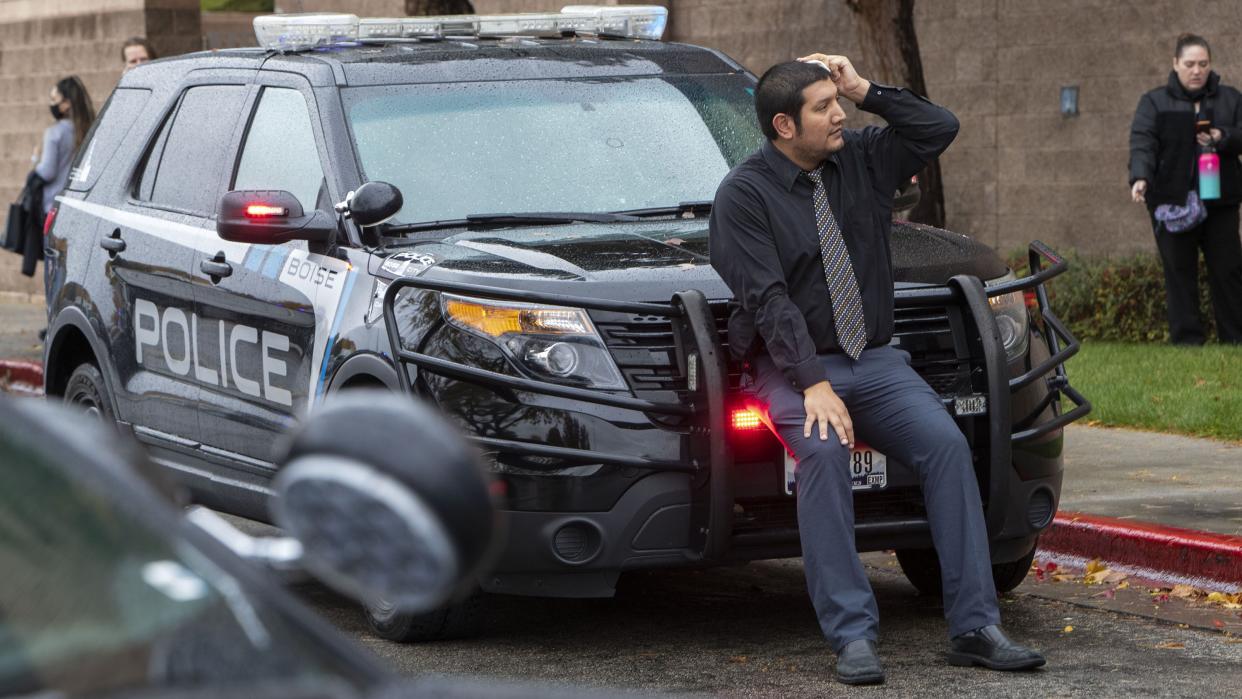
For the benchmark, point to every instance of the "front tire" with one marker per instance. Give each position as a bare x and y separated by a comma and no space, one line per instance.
86,392
457,619
922,569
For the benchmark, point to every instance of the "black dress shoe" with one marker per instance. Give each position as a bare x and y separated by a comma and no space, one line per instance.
989,647
858,663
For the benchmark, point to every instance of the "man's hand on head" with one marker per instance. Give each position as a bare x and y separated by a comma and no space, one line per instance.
849,84
824,407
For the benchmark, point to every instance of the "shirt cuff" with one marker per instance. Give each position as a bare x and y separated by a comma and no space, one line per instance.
879,97
806,374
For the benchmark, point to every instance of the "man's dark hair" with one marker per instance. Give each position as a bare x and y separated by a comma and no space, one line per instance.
139,41
1185,41
780,92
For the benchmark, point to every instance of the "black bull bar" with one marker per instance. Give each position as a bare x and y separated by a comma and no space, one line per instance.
698,353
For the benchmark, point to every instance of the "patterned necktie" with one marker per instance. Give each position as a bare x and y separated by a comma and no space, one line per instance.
847,310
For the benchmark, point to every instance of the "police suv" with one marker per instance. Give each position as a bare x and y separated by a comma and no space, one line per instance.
507,216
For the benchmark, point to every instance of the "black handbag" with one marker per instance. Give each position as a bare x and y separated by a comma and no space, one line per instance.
15,228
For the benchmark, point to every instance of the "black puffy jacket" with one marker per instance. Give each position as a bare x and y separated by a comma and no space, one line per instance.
1163,150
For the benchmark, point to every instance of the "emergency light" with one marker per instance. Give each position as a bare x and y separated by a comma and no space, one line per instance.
746,420
305,31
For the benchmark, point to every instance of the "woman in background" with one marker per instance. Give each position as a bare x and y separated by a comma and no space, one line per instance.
1193,111
71,108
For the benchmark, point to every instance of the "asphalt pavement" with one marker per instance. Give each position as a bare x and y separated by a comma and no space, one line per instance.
750,631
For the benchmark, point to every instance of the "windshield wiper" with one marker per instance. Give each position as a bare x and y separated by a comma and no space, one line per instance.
516,219
686,209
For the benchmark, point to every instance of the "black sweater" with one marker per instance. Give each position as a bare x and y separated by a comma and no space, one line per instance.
1163,150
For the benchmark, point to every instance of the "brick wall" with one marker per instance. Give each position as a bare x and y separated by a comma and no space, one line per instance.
42,41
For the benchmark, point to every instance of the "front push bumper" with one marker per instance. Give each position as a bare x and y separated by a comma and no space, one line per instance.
655,512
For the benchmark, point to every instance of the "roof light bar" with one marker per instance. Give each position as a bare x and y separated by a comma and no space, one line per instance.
300,32
633,21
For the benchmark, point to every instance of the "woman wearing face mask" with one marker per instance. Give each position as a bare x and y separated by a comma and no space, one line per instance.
1193,115
71,108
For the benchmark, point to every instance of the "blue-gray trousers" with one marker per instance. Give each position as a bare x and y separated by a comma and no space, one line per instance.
899,415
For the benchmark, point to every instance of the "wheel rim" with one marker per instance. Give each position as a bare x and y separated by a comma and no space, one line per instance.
381,609
87,404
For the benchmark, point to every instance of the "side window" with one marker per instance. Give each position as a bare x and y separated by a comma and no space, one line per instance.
184,168
279,152
152,164
114,122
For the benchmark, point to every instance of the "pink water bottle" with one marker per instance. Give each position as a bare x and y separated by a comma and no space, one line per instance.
1209,175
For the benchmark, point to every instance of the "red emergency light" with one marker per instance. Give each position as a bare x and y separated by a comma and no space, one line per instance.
265,211
746,420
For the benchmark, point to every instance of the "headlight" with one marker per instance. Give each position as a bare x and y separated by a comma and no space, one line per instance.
553,343
1011,318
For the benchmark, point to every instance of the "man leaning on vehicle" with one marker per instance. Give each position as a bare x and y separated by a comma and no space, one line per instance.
800,233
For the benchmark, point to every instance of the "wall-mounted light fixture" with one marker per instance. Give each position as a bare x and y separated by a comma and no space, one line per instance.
1069,100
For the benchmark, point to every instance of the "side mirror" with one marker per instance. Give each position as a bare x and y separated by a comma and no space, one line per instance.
907,196
270,218
372,204
388,501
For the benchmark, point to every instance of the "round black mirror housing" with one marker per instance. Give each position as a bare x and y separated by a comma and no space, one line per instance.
270,217
374,203
388,501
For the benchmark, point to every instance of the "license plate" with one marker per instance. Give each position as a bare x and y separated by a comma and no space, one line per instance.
868,469
970,405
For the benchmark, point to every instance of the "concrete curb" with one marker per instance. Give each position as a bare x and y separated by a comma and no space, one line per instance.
1146,550
21,377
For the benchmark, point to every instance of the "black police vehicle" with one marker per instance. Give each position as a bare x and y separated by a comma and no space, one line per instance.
507,216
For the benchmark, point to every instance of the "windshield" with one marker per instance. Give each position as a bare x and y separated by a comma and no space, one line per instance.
93,599
593,146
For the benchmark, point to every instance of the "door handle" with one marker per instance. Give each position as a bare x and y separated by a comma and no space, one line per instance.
113,243
217,267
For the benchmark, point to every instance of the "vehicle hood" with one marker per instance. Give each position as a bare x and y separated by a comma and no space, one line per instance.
927,255
667,254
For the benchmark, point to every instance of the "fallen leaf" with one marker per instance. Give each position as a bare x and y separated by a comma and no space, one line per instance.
1184,591
1051,567
1170,645
1218,623
1107,594
1123,585
1102,575
738,659
1068,629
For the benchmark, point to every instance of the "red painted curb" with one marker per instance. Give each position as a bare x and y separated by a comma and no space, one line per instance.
27,375
1185,553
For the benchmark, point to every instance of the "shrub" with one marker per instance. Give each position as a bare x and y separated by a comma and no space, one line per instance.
1115,298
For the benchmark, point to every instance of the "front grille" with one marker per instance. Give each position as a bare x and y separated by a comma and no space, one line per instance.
645,351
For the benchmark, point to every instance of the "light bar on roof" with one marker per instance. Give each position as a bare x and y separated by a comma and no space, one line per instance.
300,32
634,21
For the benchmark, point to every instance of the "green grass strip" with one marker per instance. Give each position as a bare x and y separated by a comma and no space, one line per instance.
1188,390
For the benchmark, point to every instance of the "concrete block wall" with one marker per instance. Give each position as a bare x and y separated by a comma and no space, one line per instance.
42,41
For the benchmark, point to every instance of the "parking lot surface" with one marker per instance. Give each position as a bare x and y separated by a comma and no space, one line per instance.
750,631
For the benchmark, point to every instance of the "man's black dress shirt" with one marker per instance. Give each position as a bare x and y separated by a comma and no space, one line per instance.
765,245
